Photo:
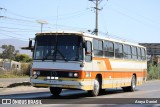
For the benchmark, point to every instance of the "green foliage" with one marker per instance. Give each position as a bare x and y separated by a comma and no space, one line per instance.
23,58
153,71
9,52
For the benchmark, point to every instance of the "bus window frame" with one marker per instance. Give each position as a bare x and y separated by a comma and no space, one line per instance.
134,55
87,53
108,50
118,54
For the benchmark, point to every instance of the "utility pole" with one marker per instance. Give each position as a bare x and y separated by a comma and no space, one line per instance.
97,9
42,22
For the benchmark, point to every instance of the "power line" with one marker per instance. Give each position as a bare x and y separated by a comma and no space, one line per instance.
138,14
22,20
21,15
134,19
22,24
12,33
18,29
12,36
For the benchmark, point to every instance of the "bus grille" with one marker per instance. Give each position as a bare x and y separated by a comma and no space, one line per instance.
60,74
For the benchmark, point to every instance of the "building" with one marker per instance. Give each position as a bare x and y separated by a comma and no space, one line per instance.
10,65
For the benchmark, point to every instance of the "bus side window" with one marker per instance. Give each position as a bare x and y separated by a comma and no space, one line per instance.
127,52
139,53
98,47
118,50
88,53
108,49
134,52
143,54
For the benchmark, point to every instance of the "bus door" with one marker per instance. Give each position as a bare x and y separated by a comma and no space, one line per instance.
88,66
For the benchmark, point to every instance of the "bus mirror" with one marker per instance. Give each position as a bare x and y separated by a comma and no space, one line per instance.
30,43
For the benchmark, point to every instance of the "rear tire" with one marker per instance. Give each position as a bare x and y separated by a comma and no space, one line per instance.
96,88
132,87
55,91
133,84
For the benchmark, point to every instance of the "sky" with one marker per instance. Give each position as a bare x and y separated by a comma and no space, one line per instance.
132,20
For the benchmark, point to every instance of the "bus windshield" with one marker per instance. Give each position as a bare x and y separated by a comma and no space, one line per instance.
58,47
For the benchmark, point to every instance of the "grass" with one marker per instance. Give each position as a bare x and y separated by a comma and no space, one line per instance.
12,76
8,74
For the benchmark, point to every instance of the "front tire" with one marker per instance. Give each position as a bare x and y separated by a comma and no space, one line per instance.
96,88
55,91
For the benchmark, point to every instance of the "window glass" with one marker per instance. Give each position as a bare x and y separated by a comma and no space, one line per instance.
88,57
127,52
58,47
118,50
108,49
139,53
95,44
98,47
143,54
89,46
134,52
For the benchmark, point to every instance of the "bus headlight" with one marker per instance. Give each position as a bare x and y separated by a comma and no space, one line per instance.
73,74
36,74
76,74
70,74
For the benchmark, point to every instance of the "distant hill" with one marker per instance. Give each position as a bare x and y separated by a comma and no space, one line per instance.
17,44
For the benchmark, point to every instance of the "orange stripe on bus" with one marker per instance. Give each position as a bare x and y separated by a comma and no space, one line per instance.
107,62
112,74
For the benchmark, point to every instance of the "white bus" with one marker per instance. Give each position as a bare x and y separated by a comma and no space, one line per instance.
77,60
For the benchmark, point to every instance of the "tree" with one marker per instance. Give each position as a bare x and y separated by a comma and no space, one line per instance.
9,52
23,58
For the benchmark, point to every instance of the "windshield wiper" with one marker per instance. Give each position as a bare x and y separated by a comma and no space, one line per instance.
62,55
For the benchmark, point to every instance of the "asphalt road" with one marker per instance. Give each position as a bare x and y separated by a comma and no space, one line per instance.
14,80
4,82
150,89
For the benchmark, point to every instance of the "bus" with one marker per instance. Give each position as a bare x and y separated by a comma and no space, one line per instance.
78,60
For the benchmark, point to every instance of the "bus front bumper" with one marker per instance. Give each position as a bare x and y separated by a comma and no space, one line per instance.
64,84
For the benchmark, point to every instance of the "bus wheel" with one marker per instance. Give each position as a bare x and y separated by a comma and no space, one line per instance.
55,91
132,87
133,84
96,88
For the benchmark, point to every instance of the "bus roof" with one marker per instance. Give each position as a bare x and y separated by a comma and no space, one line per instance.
103,37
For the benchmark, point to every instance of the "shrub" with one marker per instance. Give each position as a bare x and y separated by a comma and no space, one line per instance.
25,68
153,71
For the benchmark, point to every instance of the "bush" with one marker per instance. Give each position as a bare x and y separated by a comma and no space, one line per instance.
23,58
25,68
14,73
153,71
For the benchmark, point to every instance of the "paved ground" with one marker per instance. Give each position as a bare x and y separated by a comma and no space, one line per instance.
151,89
4,82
